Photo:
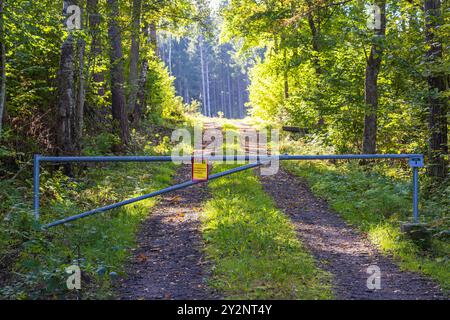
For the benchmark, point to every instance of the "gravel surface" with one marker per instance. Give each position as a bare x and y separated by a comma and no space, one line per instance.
340,249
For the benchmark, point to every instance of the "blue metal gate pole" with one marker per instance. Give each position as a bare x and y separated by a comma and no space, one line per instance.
36,186
416,194
415,162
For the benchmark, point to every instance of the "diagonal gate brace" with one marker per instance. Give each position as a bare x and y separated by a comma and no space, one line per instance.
150,195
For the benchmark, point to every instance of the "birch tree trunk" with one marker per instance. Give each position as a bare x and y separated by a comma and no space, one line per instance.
117,73
373,63
437,84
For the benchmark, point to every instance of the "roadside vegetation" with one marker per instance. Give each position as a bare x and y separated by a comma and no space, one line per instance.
34,261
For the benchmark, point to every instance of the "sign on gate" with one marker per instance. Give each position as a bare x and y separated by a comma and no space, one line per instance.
199,171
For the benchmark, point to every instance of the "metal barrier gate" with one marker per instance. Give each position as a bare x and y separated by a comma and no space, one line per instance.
415,162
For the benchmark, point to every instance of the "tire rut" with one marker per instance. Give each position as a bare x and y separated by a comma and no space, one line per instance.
168,262
340,249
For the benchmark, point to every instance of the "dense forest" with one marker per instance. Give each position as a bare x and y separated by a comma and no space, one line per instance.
206,71
315,65
114,77
365,89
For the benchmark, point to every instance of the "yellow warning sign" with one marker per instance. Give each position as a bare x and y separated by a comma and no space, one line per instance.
199,171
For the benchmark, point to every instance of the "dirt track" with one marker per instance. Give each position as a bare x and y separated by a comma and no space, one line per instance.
340,249
168,263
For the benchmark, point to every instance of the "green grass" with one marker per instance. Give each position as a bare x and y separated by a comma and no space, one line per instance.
228,126
254,247
103,240
377,204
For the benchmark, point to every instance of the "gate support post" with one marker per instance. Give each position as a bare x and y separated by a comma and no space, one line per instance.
416,231
416,194
36,186
415,163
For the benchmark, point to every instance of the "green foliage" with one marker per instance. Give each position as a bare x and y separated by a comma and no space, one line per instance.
163,104
103,240
324,74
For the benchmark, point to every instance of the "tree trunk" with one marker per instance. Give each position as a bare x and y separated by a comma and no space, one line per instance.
117,73
66,104
69,132
437,104
96,47
169,54
2,66
239,96
80,91
285,66
230,112
81,95
208,97
140,102
314,26
134,57
315,32
373,64
65,121
285,76
222,89
153,38
202,64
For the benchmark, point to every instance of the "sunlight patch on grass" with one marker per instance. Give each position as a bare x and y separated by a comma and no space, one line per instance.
255,249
